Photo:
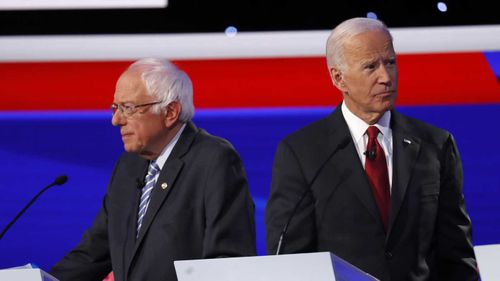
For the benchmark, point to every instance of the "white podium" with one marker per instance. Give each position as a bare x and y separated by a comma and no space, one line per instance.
25,274
488,261
323,266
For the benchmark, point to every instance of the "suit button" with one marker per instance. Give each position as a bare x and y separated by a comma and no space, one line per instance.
388,255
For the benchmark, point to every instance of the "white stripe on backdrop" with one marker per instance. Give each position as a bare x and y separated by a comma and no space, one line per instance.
239,45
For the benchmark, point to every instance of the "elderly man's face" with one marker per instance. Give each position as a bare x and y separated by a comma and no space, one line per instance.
143,132
370,80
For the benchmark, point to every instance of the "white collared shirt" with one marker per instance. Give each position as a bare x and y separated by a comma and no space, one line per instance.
358,127
162,159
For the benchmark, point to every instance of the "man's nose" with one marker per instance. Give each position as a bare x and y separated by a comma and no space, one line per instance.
118,119
384,76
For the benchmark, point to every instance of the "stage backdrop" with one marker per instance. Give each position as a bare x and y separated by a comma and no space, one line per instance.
54,118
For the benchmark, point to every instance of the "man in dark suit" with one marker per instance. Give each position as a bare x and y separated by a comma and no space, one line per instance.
176,193
379,189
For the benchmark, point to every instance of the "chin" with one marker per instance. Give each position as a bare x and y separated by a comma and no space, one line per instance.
387,105
130,148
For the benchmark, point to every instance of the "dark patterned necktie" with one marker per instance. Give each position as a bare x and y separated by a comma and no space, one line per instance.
376,170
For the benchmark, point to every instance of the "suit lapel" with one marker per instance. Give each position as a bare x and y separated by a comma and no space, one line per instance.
166,182
406,148
162,188
357,181
135,174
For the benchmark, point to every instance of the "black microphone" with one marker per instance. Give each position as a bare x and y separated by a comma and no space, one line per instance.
60,180
285,229
370,154
282,239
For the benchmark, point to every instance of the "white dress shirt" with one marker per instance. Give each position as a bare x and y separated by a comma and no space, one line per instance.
167,150
358,127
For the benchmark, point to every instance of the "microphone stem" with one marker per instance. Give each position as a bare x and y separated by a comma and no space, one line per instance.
285,229
25,208
278,250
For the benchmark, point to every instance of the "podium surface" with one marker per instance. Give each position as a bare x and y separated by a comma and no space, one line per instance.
25,274
488,261
323,266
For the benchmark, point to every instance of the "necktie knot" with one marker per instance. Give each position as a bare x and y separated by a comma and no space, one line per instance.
153,169
372,132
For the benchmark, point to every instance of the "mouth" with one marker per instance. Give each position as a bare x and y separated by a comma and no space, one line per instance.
385,94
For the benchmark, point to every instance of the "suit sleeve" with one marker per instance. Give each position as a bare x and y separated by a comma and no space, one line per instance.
90,259
287,187
229,208
455,251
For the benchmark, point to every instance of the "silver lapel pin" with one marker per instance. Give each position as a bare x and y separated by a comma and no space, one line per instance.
407,141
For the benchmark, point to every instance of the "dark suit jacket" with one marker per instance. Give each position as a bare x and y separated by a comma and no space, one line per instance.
205,212
429,233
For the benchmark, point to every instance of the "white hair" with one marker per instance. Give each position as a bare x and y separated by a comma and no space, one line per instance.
167,83
345,31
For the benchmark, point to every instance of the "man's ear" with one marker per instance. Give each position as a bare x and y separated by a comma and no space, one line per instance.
172,113
338,79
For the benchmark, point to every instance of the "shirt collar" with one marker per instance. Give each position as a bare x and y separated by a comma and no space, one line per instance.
168,149
358,127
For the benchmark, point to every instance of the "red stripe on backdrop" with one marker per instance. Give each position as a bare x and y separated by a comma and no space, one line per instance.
49,85
459,78
435,79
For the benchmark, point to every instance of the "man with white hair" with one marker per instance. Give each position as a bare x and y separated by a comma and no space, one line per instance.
176,193
379,189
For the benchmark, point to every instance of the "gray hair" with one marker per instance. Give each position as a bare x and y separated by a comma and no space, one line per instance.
167,83
345,31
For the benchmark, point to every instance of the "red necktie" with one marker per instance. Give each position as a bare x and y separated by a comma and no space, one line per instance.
376,170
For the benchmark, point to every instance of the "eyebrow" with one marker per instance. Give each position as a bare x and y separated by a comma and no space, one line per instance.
368,62
375,60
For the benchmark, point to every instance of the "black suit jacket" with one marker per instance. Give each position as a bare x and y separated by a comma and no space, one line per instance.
206,211
429,233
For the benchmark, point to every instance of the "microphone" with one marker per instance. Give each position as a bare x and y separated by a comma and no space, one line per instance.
285,229
370,154
282,239
60,180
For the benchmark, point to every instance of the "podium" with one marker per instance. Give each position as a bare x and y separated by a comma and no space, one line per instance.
322,266
25,274
488,261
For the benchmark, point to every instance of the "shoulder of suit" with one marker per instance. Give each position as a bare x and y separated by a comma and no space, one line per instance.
311,145
424,131
310,134
209,141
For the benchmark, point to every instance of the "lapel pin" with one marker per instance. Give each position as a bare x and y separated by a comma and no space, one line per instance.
407,141
164,185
